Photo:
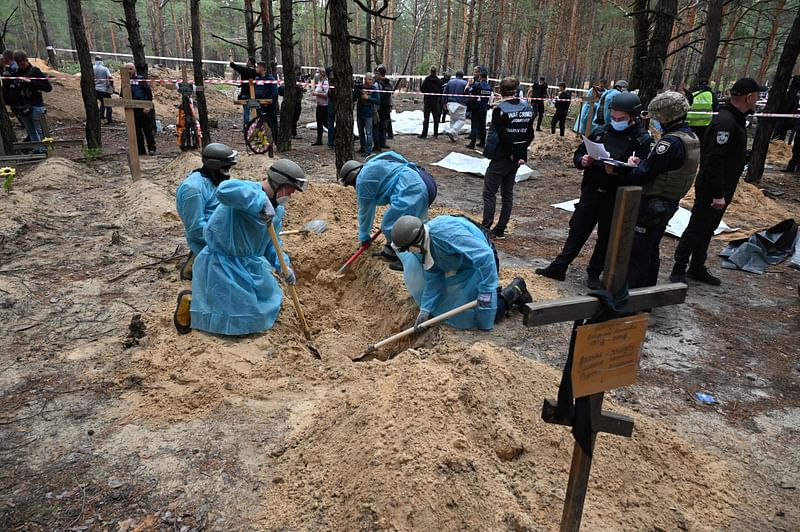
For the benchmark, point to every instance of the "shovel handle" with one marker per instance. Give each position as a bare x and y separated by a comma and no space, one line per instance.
424,324
293,232
358,253
285,269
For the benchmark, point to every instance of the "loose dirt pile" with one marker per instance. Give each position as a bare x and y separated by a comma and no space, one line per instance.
556,147
255,433
779,154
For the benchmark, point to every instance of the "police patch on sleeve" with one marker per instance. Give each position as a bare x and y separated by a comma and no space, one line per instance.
662,147
723,136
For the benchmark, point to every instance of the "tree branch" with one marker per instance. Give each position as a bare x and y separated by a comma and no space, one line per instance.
379,12
687,45
223,39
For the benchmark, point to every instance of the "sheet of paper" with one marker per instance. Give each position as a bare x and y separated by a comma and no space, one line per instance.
595,150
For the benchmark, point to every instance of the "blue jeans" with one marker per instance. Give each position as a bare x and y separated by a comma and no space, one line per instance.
331,122
365,134
33,125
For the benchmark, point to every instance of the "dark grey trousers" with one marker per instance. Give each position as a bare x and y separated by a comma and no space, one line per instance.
500,175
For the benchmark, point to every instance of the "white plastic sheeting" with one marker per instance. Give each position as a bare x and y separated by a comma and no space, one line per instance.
407,123
675,227
478,165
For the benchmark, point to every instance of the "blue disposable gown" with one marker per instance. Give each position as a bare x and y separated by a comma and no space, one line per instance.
386,182
606,98
233,289
463,267
195,201
580,122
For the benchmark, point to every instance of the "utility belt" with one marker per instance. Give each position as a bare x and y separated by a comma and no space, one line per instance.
655,212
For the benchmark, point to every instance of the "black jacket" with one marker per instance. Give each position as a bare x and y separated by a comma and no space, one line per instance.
246,74
563,101
724,154
620,145
23,92
431,84
385,107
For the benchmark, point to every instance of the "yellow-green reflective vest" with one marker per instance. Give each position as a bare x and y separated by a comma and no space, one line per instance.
703,102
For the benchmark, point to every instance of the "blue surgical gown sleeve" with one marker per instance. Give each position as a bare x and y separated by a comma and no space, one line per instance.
270,253
191,206
366,213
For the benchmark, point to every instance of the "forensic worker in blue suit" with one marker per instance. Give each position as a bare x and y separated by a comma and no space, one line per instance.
388,179
449,262
196,200
234,290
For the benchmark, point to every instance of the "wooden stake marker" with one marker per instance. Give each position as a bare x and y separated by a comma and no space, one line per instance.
603,355
129,104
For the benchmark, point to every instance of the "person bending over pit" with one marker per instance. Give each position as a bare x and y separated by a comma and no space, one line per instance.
450,261
196,200
388,179
233,288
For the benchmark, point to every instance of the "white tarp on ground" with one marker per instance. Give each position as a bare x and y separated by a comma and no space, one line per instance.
675,227
407,123
478,165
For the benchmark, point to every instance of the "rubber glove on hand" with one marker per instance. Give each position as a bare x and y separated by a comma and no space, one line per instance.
290,277
422,317
484,300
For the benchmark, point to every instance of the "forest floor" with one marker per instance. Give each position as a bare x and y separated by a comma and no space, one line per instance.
111,422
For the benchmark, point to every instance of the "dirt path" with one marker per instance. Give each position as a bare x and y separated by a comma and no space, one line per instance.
201,432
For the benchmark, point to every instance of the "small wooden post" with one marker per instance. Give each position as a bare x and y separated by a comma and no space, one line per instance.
129,104
578,308
590,112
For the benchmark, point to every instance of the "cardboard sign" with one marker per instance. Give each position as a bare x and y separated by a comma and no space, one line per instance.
607,354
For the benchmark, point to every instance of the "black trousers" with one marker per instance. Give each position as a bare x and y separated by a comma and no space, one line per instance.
322,120
500,175
271,114
559,118
101,97
298,107
478,127
144,130
692,250
595,208
538,106
645,254
428,109
794,162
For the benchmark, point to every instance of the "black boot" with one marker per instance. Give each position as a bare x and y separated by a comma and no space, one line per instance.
516,295
678,274
701,273
552,273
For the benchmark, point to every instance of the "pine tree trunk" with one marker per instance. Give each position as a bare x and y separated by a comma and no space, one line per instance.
51,54
478,28
197,64
746,71
343,77
113,29
735,19
6,126
469,14
134,37
712,36
267,34
770,49
179,51
93,140
387,45
777,93
447,30
314,37
290,92
250,28
367,49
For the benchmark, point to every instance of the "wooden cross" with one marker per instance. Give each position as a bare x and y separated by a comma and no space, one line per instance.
612,368
130,104
251,103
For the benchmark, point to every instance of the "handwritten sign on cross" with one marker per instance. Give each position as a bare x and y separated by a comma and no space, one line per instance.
604,350
129,104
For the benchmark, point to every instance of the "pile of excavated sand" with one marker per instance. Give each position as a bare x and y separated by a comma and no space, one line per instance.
444,435
547,146
779,153
750,211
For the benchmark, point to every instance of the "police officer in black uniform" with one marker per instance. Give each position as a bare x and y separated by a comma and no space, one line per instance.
621,138
722,161
537,94
562,108
430,104
479,88
667,175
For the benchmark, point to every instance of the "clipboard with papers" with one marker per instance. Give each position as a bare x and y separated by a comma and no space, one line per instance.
598,152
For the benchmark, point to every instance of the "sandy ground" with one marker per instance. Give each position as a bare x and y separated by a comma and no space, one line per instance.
112,421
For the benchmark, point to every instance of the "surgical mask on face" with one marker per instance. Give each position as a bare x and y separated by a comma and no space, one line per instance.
619,126
283,200
657,125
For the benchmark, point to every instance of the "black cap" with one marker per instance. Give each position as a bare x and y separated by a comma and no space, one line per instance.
746,86
381,69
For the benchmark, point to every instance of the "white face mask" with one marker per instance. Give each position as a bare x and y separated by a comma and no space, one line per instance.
283,200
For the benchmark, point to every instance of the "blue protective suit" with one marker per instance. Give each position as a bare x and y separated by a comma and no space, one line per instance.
383,181
233,289
587,110
463,267
605,99
196,201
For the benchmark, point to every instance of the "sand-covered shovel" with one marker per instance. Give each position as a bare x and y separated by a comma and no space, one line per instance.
285,269
316,227
425,324
358,253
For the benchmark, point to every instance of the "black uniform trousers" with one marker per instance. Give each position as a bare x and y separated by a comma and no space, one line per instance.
322,121
645,255
538,106
692,250
478,127
794,162
270,112
298,107
500,175
430,108
559,118
595,208
144,130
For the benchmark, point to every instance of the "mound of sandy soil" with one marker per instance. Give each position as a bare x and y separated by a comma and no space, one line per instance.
779,154
547,146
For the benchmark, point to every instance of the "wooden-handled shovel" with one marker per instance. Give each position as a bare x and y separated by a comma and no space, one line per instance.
425,324
285,270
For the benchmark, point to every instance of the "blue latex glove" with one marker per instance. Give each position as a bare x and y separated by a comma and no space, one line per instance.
290,277
422,317
484,300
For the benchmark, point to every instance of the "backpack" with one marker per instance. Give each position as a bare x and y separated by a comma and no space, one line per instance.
427,178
